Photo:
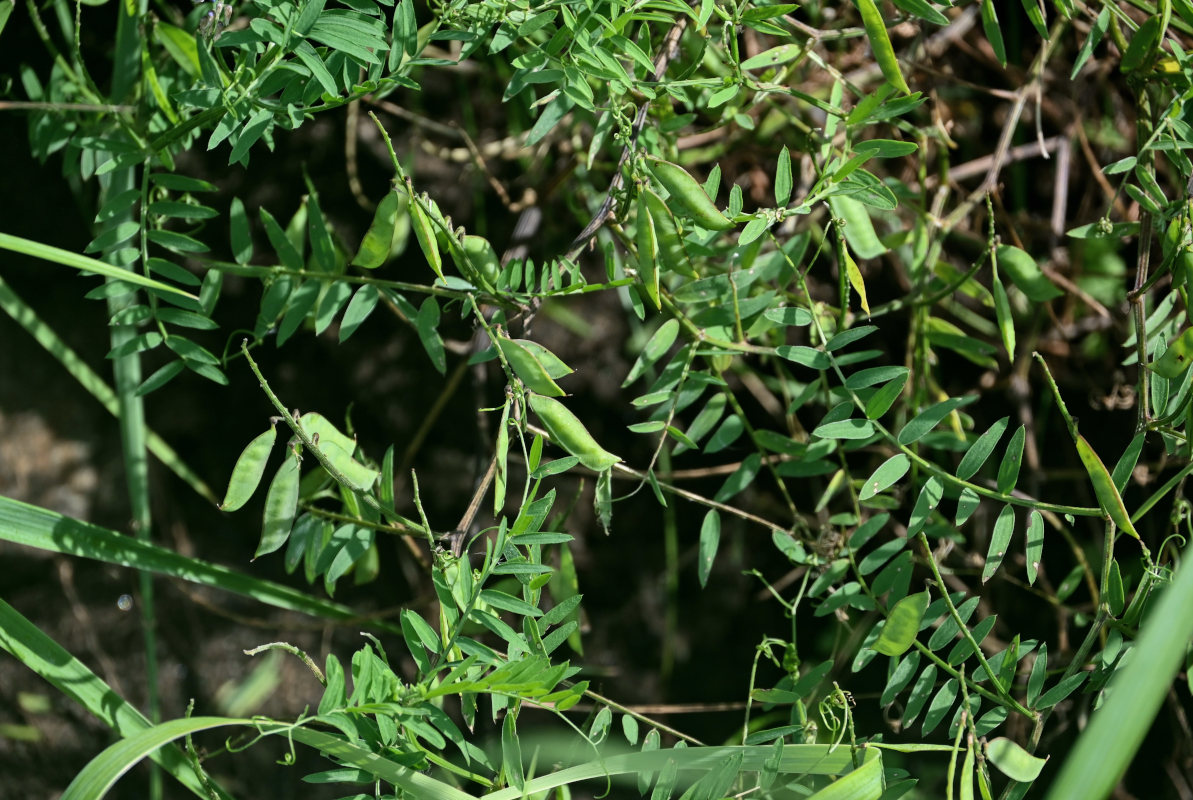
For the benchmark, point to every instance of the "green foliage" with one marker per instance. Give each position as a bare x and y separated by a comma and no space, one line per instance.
843,294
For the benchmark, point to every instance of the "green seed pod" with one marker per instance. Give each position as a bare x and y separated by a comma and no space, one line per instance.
902,625
551,362
479,262
1013,761
338,447
672,254
281,503
250,466
688,194
528,368
425,233
569,433
1104,488
375,247
648,252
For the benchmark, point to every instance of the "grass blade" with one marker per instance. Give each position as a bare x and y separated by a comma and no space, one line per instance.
31,526
67,674
82,263
1116,730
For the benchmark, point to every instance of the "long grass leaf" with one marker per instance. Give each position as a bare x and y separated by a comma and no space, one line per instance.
21,523
102,772
811,759
26,642
1116,731
66,258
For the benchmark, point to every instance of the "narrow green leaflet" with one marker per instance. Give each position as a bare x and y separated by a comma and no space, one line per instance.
359,308
881,401
1104,489
1035,13
993,31
980,450
1012,459
1126,464
1026,274
919,694
427,324
1035,545
710,540
511,752
1000,540
783,184
241,236
68,259
845,429
656,346
942,701
929,418
880,44
885,476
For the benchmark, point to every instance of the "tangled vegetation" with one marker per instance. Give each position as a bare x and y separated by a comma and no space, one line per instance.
863,267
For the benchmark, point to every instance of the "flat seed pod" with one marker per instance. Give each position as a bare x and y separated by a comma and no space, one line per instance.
1104,488
425,234
647,241
338,447
902,625
672,255
359,476
688,194
281,503
1013,761
480,263
569,433
249,469
375,247
315,424
528,368
554,365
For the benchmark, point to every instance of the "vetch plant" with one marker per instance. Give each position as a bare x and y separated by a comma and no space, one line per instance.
765,206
